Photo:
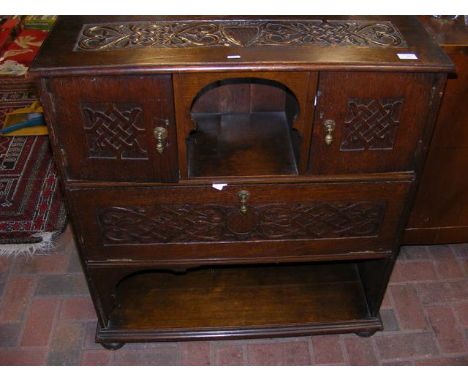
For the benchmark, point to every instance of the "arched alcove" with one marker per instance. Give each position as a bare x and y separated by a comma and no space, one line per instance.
243,127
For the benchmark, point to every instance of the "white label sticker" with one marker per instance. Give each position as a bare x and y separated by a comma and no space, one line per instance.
407,56
219,186
233,57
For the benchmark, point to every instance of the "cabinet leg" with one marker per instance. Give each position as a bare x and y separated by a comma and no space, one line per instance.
112,345
368,333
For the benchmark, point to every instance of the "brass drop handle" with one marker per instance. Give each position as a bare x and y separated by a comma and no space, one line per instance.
329,126
243,196
160,134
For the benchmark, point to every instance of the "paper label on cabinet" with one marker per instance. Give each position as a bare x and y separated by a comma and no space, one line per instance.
219,186
407,56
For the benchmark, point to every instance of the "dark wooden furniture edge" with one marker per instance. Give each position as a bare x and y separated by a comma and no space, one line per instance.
182,265
366,326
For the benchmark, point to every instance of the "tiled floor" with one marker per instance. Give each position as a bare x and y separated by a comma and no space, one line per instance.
46,318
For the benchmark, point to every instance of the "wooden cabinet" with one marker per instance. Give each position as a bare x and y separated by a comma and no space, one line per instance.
440,211
231,178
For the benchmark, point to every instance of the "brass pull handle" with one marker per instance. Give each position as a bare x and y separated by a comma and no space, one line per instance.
329,126
160,134
243,196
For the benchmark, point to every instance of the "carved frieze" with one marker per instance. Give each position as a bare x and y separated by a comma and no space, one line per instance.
215,223
237,33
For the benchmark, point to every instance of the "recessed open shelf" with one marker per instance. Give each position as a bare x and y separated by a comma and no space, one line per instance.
243,128
242,299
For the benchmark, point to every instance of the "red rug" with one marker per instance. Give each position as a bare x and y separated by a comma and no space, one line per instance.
31,206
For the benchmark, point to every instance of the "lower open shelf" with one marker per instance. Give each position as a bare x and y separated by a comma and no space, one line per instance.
240,302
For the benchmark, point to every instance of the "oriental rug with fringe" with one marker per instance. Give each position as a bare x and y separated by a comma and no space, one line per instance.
31,206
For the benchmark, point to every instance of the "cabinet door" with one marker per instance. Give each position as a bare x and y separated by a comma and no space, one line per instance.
368,122
106,127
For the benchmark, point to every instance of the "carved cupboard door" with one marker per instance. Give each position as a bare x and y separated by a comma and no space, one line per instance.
368,122
116,128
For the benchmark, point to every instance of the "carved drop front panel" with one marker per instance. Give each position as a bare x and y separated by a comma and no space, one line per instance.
237,33
159,222
106,126
114,130
371,124
376,118
211,223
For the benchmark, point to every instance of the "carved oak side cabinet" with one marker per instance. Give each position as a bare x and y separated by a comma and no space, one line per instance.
238,177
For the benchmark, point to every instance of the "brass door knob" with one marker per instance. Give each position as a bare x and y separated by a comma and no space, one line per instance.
160,134
329,127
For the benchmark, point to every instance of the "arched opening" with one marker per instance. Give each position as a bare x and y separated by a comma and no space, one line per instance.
243,127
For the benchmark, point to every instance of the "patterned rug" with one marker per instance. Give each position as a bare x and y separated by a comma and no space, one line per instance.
31,207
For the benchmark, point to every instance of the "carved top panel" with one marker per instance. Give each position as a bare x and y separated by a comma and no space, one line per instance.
237,33
150,44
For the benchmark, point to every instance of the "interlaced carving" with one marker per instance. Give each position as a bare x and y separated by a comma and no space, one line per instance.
208,223
114,130
182,34
371,124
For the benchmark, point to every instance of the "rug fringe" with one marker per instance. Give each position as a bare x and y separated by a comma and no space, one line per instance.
41,248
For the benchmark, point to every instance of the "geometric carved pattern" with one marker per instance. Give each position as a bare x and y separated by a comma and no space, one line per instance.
241,33
211,223
114,130
371,124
